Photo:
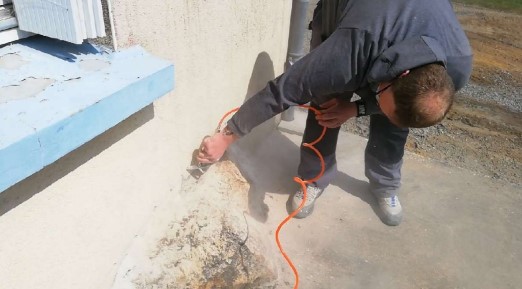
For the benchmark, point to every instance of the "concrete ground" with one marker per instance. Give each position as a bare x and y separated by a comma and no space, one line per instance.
460,230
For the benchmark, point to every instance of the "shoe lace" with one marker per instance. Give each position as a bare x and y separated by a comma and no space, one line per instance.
393,201
311,193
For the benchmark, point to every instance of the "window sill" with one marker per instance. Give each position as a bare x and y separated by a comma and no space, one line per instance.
56,96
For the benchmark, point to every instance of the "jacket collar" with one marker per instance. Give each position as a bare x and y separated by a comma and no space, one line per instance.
407,54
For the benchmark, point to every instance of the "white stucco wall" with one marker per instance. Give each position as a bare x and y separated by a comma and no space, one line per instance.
70,225
223,51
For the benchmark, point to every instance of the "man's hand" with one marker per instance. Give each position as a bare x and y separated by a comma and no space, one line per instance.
335,112
213,147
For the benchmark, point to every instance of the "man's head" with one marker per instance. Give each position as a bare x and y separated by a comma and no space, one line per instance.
420,99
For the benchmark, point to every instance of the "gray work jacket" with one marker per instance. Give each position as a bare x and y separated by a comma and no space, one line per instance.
374,41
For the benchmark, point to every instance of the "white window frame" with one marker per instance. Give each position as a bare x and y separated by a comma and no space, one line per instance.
68,20
11,34
7,23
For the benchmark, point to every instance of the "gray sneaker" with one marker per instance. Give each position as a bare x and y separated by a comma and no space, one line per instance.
312,193
391,210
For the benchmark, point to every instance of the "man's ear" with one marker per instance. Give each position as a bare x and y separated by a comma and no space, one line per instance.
404,73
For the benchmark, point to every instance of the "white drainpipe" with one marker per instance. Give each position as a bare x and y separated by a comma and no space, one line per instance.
296,38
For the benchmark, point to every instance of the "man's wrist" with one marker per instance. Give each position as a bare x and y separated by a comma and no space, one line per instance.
229,135
227,131
361,108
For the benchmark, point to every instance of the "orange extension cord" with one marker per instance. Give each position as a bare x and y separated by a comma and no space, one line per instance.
298,180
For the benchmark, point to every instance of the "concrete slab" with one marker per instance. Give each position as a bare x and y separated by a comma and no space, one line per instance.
460,230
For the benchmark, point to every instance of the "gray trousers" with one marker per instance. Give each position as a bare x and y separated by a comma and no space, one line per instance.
384,151
382,157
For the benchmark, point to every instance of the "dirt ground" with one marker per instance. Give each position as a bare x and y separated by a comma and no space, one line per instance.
483,132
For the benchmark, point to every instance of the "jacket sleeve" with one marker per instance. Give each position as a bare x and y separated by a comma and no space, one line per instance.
336,66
